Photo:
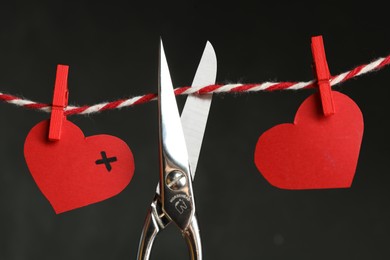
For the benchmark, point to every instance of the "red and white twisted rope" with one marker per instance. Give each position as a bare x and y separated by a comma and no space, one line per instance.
228,88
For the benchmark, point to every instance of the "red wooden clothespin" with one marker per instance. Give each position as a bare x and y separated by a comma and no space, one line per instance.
322,75
60,101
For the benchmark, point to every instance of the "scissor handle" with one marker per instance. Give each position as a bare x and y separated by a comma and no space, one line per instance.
149,233
192,237
156,221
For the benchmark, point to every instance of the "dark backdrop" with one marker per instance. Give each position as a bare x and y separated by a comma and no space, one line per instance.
112,50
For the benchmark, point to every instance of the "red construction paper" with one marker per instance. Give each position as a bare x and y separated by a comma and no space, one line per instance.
71,172
315,152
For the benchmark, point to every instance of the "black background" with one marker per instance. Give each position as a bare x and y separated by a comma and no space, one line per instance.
112,50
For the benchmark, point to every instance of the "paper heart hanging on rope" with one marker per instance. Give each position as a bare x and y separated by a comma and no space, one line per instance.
76,170
316,152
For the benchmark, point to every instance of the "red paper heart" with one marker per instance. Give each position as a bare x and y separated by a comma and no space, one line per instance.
316,152
72,172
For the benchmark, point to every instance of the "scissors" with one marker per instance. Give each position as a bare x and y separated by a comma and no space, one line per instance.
174,198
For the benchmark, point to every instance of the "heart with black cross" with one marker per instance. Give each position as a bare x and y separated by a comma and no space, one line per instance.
77,171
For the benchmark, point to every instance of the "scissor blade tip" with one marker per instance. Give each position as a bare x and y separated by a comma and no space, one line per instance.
162,55
208,43
161,44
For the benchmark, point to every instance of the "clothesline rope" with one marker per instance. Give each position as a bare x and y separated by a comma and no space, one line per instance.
217,88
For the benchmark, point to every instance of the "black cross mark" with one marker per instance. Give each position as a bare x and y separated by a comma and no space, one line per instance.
106,160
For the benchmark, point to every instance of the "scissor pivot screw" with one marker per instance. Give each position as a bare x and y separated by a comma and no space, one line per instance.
176,180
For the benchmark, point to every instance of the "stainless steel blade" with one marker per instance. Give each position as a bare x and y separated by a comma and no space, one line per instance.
175,177
196,109
172,136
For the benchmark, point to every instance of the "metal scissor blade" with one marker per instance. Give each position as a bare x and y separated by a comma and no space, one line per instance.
175,177
196,109
172,137
176,204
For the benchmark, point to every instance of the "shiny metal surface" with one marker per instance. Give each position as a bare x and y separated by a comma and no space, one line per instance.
179,204
154,222
174,201
196,109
